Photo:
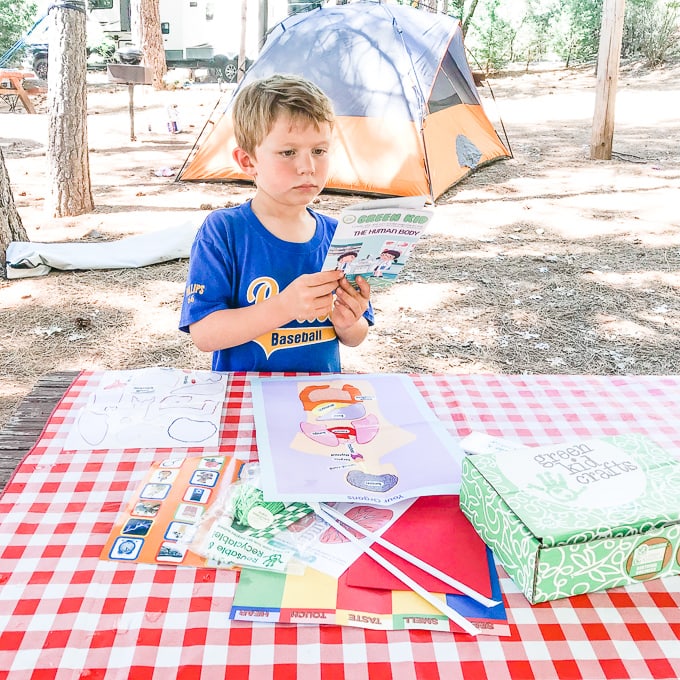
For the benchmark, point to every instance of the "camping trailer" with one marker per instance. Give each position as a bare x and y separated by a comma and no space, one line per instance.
195,32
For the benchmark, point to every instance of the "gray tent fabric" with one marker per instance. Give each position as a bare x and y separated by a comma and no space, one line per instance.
25,258
467,152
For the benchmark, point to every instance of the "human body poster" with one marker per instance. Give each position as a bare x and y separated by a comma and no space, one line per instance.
353,438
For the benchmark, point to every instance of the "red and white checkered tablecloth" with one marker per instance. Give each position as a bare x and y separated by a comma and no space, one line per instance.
65,614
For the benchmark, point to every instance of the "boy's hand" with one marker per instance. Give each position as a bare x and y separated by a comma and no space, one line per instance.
310,296
350,303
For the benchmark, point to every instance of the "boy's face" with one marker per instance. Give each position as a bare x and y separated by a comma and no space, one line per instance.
291,164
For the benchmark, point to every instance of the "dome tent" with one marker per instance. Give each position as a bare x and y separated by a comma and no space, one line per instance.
409,119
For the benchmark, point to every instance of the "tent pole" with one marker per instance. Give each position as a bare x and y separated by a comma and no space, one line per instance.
242,49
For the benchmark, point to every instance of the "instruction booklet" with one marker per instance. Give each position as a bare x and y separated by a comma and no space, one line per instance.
375,238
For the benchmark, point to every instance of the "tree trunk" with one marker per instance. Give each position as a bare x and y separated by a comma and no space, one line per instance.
11,228
146,34
67,153
468,18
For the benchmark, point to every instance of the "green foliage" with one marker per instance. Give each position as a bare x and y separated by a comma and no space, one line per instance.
536,41
16,17
456,8
102,51
578,35
525,31
651,30
492,35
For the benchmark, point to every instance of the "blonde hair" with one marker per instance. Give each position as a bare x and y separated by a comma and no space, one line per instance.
259,104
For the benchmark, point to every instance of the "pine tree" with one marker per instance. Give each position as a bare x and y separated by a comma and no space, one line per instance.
11,227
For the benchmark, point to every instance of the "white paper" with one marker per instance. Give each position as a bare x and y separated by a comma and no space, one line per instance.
150,408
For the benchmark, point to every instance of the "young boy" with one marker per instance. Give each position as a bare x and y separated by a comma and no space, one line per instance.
255,296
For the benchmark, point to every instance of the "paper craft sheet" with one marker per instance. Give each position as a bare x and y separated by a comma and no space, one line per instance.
150,408
321,546
435,530
321,599
351,438
164,513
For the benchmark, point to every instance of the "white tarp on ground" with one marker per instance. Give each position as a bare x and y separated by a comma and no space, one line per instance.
26,259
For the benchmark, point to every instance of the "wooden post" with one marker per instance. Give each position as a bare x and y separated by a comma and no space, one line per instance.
131,108
607,77
131,74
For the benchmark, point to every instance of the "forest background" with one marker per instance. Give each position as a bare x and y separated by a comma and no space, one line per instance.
497,32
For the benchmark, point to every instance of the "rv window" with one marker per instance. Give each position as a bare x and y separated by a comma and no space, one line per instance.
101,4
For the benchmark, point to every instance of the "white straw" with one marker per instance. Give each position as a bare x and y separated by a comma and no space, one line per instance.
412,559
438,604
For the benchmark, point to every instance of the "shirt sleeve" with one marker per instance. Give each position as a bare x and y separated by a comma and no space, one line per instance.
209,281
368,314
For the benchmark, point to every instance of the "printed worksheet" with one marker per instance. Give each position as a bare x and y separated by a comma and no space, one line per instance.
150,408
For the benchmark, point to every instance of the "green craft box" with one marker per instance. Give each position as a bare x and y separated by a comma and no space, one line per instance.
577,517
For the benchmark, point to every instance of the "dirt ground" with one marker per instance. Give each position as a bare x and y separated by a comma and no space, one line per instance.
546,263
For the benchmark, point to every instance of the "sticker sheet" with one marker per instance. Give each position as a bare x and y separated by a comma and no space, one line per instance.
164,514
322,599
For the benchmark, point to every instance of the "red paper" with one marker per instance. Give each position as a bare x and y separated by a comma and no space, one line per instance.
435,530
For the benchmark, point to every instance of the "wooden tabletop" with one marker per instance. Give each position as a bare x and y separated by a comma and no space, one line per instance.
16,74
29,419
12,88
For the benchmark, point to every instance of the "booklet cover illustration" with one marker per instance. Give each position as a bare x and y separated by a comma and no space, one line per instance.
375,238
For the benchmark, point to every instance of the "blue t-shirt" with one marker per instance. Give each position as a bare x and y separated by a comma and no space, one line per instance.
235,262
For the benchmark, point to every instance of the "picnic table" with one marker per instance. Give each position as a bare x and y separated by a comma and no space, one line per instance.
64,613
12,89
